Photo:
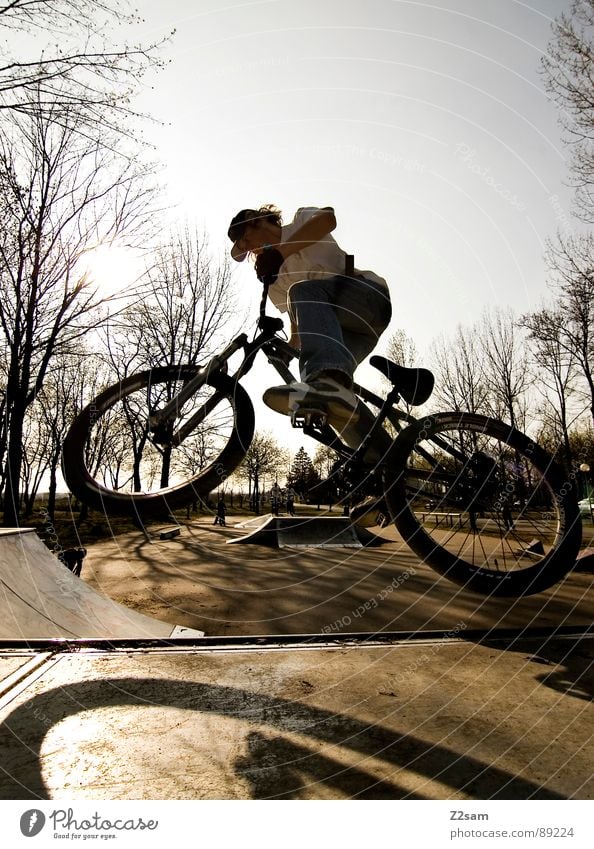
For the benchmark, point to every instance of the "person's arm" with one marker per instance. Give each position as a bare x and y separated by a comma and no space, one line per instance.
311,231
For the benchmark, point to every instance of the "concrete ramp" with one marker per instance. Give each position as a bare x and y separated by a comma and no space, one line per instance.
40,598
261,530
303,532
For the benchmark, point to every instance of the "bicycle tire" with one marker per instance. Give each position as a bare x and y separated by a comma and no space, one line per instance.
468,468
159,502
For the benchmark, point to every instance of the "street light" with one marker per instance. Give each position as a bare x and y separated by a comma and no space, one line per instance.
585,469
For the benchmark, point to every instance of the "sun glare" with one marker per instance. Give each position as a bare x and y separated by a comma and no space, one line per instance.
113,268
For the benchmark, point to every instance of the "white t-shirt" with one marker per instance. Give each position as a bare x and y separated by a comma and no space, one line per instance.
322,259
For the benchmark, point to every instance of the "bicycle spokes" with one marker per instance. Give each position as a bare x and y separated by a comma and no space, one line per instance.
146,453
481,502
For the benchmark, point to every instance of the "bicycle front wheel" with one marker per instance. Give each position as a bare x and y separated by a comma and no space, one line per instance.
113,462
482,504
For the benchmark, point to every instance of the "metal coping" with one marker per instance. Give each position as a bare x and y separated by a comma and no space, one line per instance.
508,636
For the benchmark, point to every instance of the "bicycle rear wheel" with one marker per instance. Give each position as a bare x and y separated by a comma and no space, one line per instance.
112,462
482,504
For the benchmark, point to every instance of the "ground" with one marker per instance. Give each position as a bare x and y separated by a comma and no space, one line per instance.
198,580
474,716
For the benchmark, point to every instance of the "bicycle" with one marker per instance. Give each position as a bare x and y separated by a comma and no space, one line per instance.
476,499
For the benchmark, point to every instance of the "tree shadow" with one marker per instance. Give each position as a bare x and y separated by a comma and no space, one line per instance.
258,590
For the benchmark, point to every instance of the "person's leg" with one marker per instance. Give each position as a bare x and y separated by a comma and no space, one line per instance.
364,311
340,320
364,315
325,364
312,308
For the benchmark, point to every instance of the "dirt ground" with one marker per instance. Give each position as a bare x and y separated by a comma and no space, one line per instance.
197,580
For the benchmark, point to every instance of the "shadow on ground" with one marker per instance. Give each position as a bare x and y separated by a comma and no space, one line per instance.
272,764
198,581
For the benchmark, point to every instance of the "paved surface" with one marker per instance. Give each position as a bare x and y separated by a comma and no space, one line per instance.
453,718
40,597
438,721
199,581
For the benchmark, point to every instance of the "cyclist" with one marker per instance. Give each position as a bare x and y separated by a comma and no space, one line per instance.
336,317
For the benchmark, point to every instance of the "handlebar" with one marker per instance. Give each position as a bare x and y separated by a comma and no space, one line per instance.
269,324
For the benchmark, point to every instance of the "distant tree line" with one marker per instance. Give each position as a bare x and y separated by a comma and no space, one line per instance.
533,370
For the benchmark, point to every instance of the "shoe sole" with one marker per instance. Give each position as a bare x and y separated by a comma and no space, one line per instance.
337,412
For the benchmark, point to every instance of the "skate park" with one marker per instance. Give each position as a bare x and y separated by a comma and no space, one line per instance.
150,157
310,668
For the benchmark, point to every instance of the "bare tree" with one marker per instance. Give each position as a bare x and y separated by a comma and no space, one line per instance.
567,67
61,193
107,448
401,348
36,459
571,263
460,382
324,459
564,333
555,373
188,300
264,457
56,406
68,58
4,353
187,305
505,361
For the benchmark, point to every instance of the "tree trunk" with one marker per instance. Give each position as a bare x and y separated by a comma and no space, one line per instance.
83,514
166,466
14,462
53,487
256,492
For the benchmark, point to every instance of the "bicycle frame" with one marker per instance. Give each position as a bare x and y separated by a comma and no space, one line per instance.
461,460
278,353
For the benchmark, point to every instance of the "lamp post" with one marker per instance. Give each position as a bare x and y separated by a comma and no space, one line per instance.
585,470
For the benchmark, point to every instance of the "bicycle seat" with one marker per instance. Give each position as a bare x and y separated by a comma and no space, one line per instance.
414,384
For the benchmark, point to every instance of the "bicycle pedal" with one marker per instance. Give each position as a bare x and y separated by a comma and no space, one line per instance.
309,418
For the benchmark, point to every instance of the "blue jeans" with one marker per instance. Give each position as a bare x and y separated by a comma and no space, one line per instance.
340,320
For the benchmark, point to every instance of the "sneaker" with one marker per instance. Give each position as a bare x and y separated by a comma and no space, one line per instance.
325,395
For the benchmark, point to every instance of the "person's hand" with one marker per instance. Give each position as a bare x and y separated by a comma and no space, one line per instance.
268,264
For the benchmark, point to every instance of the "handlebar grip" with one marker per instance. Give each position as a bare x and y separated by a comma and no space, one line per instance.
270,324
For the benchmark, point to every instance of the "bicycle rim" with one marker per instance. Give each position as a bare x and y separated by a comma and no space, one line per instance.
113,462
481,503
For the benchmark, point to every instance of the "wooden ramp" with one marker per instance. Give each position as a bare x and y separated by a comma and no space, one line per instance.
40,598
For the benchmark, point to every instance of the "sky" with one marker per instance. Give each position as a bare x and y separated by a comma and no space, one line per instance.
425,125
